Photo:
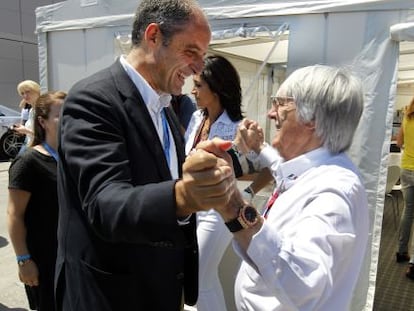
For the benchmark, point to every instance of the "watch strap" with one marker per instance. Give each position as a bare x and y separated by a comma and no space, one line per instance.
240,222
234,225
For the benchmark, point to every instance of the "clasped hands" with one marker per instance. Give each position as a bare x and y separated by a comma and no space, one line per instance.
249,137
208,177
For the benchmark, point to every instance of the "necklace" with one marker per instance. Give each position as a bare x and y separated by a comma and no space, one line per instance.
205,130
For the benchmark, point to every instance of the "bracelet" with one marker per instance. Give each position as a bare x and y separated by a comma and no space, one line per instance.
248,194
236,150
23,257
250,190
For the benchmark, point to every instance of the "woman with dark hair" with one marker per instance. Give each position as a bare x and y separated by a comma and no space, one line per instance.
218,94
33,204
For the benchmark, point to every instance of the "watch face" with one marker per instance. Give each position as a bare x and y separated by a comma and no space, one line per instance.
248,217
250,214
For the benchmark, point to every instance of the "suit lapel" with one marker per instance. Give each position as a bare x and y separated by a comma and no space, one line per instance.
139,114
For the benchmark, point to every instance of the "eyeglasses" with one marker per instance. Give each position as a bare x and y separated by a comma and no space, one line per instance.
281,101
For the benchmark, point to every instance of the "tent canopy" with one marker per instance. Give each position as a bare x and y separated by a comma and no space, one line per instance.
362,35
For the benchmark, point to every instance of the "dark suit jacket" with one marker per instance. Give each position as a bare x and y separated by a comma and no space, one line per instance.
120,247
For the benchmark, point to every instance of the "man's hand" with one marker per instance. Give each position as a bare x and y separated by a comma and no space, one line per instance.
249,136
208,178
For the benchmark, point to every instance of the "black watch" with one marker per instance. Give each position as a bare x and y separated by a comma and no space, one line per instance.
248,217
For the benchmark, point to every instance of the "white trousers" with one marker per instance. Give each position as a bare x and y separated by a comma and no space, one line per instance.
213,239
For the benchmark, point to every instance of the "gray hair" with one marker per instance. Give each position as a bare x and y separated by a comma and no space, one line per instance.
171,15
330,97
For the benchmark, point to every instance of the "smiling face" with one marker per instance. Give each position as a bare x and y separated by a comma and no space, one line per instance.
182,57
293,137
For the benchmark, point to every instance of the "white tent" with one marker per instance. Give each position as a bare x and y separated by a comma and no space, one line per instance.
77,38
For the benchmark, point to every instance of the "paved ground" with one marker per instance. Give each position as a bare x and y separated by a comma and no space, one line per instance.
12,296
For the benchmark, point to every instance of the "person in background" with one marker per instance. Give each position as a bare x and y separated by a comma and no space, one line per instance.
33,205
405,140
127,234
184,108
25,108
218,94
29,91
293,254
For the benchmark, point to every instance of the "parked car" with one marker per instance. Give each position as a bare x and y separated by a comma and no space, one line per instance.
10,141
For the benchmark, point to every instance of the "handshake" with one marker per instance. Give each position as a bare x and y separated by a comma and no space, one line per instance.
208,176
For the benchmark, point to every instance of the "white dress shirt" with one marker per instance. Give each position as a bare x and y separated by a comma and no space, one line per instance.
155,103
309,251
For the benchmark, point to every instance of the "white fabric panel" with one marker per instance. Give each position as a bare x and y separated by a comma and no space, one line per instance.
377,65
95,49
235,9
87,23
111,11
402,32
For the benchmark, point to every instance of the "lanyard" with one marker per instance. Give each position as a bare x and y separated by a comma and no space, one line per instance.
165,136
273,198
52,152
270,203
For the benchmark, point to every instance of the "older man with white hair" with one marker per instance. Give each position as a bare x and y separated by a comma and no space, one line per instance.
306,250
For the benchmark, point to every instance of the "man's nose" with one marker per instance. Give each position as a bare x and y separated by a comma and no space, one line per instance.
271,114
198,65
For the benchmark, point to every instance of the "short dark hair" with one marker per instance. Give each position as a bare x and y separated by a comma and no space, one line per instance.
171,16
224,80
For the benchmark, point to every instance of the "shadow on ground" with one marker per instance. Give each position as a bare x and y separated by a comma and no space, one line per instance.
6,308
3,242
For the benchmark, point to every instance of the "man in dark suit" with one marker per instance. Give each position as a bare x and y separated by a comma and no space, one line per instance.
127,227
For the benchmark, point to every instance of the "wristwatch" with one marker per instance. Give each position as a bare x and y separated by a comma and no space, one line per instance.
248,217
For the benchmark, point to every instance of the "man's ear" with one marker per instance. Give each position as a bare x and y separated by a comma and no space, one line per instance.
152,33
310,126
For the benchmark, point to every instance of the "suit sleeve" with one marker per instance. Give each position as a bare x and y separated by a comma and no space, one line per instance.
109,174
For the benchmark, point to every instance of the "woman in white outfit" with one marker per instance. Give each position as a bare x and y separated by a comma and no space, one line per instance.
218,94
29,91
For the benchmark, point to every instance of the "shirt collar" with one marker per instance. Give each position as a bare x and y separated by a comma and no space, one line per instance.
154,101
288,171
224,118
